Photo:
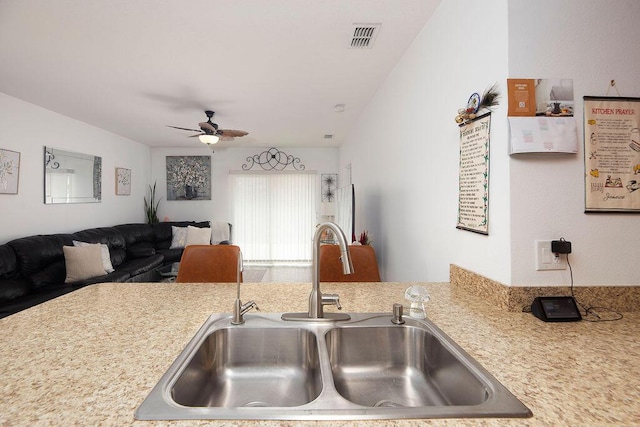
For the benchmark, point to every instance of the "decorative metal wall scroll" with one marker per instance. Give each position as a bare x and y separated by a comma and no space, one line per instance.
329,182
48,159
273,159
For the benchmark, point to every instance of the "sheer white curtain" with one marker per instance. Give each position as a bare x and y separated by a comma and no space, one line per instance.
274,215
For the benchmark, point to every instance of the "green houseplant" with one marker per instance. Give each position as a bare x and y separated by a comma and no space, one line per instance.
151,206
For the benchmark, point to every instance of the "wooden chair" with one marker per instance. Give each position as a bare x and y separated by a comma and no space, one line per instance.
365,265
209,264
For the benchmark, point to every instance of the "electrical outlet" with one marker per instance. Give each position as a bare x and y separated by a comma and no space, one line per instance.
546,259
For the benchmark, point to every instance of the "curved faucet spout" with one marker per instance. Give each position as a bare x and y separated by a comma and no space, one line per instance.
316,301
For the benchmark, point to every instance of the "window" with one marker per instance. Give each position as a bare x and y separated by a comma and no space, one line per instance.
274,215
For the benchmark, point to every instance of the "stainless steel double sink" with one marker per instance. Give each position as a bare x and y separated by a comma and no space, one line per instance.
364,368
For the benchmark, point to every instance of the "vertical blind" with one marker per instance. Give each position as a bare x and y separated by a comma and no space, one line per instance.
274,215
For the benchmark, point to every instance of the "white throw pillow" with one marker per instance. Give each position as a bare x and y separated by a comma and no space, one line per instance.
106,257
178,237
83,262
198,236
219,232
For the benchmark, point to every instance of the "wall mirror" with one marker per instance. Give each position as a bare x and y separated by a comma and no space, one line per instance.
71,177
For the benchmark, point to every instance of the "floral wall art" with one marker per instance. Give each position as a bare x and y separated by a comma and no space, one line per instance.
123,182
9,171
188,177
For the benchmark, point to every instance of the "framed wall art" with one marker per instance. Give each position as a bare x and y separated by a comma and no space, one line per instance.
123,182
188,177
329,185
473,187
9,171
612,154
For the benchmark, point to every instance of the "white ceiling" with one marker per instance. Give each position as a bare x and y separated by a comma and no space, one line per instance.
274,68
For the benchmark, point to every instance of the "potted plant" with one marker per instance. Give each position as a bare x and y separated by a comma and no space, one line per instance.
151,206
364,238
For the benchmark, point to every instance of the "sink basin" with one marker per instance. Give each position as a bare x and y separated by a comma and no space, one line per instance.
374,366
363,368
236,367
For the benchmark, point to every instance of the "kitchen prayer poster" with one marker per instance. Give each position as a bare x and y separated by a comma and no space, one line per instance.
612,154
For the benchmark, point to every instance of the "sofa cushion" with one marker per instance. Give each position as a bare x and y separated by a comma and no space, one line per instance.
136,233
13,288
35,253
141,265
109,236
116,276
51,274
83,262
117,257
171,255
8,264
141,250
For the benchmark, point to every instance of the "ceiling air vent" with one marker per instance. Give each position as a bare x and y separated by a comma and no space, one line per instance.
364,35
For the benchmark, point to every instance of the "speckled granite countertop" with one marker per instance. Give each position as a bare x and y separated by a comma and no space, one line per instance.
92,356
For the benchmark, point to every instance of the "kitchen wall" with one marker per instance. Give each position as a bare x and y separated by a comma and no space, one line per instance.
592,42
27,128
404,150
320,159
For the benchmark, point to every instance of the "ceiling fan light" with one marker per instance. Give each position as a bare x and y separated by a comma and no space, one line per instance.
209,139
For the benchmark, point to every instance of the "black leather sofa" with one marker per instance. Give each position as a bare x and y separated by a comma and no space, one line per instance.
32,269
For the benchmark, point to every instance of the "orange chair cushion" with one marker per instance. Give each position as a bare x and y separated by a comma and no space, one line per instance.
363,258
209,264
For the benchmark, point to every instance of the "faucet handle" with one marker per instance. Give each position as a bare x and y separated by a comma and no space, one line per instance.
331,299
249,305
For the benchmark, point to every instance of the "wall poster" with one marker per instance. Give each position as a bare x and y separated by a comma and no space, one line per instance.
612,154
473,188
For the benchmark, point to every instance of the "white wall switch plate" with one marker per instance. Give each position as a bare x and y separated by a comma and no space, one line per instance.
547,260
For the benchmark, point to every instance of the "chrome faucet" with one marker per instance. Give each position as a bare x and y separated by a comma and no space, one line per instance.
240,309
317,300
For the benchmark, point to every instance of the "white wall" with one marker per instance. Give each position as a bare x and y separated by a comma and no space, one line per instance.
27,128
591,42
322,160
404,150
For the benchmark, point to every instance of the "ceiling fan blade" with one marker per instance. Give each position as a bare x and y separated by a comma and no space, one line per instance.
232,133
206,126
176,127
193,136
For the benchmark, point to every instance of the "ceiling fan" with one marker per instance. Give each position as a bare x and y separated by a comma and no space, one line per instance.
209,133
